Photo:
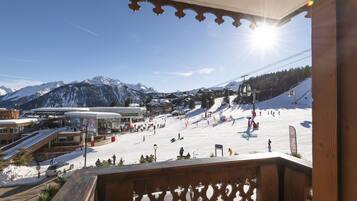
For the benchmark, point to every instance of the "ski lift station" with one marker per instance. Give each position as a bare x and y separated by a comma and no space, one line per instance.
57,114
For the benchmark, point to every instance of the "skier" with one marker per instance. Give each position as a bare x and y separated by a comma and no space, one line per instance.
143,138
154,129
179,136
230,152
260,113
181,151
269,145
97,163
114,159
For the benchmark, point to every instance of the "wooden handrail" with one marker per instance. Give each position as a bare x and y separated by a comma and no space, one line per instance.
270,174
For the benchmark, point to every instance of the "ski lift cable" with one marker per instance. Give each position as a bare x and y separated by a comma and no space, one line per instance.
285,65
266,66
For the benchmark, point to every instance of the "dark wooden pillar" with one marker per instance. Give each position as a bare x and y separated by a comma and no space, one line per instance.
334,49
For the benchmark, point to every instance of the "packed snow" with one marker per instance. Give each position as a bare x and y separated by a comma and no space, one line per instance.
225,125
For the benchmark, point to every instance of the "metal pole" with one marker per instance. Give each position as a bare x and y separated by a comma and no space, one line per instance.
85,147
254,98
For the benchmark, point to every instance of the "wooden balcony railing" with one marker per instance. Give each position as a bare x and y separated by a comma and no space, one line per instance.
261,177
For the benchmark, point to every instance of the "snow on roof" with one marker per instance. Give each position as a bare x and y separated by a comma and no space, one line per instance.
119,110
60,109
96,115
17,121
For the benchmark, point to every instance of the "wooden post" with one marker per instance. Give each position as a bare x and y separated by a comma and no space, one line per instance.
268,183
334,50
296,185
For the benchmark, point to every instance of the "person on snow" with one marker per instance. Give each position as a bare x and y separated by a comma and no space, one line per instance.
269,145
181,151
249,123
254,114
230,152
98,163
114,159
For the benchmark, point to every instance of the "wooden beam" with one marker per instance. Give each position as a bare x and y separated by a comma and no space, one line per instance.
325,93
347,69
334,44
268,186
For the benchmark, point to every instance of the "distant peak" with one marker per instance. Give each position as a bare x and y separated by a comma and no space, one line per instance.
102,80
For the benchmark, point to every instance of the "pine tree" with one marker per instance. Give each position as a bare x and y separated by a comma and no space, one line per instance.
142,159
192,104
114,104
204,101
21,158
210,102
226,97
127,102
3,163
121,162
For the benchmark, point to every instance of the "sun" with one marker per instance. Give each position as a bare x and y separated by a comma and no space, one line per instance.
264,37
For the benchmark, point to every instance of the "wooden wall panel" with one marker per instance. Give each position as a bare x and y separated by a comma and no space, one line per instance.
334,90
324,89
347,63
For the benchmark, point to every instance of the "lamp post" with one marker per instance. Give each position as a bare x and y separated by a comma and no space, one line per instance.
155,148
85,146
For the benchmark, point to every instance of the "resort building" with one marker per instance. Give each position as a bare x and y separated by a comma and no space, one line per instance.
98,124
59,143
160,106
56,115
13,129
128,114
9,113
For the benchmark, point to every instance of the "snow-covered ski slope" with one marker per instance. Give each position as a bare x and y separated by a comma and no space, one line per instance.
201,135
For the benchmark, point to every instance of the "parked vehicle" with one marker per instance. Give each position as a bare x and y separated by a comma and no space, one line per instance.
54,170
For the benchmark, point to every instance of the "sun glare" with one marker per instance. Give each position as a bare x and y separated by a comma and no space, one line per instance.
264,37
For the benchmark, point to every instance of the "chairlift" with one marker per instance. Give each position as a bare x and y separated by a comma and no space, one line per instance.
245,90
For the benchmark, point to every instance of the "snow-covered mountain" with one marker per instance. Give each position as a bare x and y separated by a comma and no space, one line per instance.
101,81
234,86
5,90
98,91
27,94
37,90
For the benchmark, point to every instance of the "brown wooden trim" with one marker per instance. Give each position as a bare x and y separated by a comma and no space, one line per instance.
219,13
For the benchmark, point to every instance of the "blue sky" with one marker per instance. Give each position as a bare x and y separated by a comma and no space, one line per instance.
67,40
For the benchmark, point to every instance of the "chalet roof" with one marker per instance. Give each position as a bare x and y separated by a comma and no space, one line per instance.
95,115
271,11
120,110
17,122
58,109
